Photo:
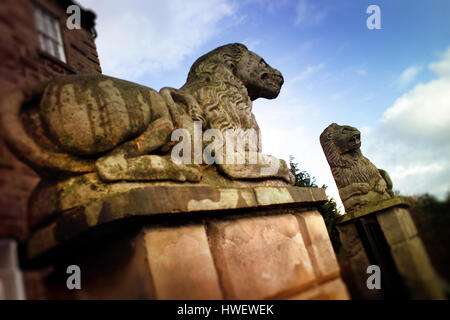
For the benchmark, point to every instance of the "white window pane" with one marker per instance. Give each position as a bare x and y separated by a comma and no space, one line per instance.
39,20
45,46
57,31
49,27
62,56
42,42
49,46
55,48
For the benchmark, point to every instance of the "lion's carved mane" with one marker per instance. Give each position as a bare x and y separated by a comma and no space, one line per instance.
223,100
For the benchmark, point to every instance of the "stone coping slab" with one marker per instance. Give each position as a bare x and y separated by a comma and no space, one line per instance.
159,200
374,207
50,198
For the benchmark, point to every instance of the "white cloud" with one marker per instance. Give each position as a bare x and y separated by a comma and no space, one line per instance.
344,46
337,96
423,112
412,142
365,131
309,70
151,36
402,172
251,44
366,98
442,67
307,13
361,72
407,76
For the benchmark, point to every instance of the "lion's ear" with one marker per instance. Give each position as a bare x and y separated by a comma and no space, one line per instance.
230,64
238,47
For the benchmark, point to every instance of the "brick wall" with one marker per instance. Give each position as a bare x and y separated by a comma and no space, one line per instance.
22,63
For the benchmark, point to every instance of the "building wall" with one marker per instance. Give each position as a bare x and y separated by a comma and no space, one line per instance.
22,64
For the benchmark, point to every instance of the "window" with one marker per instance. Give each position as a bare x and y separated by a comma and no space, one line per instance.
50,39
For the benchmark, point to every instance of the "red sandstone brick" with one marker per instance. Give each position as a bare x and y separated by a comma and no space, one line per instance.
317,241
181,263
260,257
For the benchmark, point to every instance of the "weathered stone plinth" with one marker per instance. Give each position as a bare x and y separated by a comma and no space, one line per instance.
181,241
398,250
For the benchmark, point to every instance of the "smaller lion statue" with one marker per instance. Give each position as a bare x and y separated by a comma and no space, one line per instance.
358,180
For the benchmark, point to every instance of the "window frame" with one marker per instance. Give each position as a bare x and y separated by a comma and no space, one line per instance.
49,32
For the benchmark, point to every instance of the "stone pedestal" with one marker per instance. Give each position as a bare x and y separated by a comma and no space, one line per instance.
178,241
384,234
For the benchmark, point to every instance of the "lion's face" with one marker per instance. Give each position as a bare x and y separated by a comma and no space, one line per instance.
346,138
260,79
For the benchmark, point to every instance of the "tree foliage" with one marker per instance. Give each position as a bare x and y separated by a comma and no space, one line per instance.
302,178
430,205
329,210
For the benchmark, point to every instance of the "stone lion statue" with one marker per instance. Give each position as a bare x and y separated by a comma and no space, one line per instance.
358,180
94,123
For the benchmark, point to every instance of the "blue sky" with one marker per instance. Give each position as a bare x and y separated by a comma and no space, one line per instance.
393,84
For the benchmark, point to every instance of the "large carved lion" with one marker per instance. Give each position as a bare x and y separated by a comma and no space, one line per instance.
95,123
358,180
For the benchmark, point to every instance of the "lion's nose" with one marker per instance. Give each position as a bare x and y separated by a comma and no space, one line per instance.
279,76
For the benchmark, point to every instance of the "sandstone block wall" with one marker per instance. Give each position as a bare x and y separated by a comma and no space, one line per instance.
409,254
281,255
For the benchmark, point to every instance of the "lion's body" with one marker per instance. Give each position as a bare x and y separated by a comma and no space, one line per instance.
355,169
358,180
91,114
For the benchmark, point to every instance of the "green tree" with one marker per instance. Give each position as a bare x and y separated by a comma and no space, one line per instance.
331,215
329,210
302,178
